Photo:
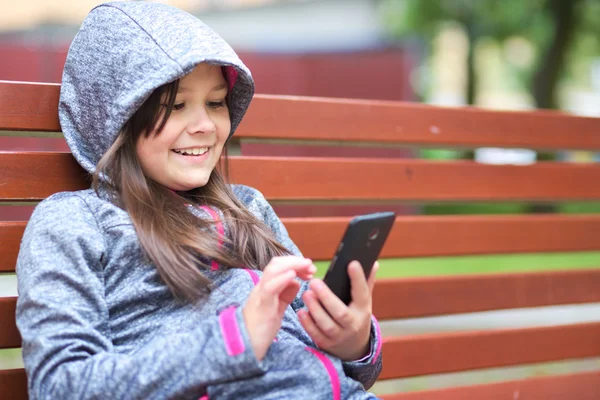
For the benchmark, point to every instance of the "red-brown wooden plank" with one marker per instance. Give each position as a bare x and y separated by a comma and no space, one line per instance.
13,384
440,295
30,176
29,106
9,334
352,179
26,106
418,236
303,118
579,386
10,239
462,351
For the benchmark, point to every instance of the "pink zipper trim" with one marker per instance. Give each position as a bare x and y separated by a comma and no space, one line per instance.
378,339
220,230
333,376
253,276
231,332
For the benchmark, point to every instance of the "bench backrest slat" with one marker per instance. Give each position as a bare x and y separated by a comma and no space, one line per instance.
580,386
34,176
9,335
463,351
13,384
418,236
33,107
29,106
442,295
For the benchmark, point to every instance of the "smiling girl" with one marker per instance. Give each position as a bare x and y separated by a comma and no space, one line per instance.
162,281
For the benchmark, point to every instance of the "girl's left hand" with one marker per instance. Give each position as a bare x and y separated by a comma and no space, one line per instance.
343,331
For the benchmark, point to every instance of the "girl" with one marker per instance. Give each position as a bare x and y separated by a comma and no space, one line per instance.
162,281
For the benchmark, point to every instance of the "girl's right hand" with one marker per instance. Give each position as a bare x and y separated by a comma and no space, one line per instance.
271,296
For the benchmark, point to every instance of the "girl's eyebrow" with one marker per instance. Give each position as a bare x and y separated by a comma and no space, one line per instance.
219,87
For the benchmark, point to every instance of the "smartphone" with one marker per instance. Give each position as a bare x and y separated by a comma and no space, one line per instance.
363,241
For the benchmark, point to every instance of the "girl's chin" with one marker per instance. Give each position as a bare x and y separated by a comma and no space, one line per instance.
187,186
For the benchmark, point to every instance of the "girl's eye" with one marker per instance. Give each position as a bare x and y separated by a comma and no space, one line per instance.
216,104
178,107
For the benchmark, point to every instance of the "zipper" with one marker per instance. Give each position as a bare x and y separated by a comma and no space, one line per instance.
334,379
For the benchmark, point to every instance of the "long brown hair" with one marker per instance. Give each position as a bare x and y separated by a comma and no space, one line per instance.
178,243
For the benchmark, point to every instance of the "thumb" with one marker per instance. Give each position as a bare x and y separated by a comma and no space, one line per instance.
360,290
372,275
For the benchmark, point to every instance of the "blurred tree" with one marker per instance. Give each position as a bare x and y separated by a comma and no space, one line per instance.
551,25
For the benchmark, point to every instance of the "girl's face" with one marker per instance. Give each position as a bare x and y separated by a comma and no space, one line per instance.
184,154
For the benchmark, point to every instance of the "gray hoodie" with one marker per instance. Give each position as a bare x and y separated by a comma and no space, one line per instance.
96,320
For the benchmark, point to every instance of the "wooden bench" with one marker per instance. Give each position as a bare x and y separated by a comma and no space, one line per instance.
27,177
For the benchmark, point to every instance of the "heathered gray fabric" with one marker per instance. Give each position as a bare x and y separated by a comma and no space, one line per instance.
98,323
96,320
122,52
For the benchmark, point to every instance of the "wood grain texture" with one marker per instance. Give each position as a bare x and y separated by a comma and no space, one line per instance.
442,295
414,180
344,120
10,240
417,236
452,352
580,386
13,384
33,176
9,334
30,106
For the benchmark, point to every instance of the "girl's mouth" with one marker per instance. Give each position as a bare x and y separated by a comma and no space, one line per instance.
192,151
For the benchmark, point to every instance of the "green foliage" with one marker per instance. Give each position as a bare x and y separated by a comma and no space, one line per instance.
533,20
495,18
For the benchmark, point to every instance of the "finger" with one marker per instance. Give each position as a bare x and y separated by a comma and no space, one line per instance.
278,283
290,291
312,329
372,275
302,266
322,319
307,273
335,308
361,293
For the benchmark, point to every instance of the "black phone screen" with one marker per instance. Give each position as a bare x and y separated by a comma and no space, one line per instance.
363,240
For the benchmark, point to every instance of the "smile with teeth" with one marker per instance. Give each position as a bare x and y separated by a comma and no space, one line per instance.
193,151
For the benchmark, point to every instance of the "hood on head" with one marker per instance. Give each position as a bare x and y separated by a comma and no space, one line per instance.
121,54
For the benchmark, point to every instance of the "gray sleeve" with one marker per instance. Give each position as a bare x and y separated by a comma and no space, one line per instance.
63,319
366,370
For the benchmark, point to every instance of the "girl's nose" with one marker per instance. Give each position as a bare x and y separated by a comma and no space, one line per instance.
202,123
